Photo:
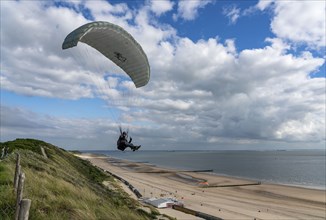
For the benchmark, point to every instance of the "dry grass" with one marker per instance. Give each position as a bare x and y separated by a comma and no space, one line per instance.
64,186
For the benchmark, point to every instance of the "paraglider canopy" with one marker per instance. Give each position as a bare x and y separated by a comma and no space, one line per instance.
116,44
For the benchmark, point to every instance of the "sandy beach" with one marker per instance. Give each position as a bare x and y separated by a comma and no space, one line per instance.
217,195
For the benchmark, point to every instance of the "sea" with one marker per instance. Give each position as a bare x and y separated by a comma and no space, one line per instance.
303,168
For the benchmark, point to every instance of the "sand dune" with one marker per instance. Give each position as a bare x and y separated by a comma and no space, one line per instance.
264,201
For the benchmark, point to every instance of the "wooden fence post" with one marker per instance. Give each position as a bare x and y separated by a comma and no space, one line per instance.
25,205
19,193
3,153
43,152
17,172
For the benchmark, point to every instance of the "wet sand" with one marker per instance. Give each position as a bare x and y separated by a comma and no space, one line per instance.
223,197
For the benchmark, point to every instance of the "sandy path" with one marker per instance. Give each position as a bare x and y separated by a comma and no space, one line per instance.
265,201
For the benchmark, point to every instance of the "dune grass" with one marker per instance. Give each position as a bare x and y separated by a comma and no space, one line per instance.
63,186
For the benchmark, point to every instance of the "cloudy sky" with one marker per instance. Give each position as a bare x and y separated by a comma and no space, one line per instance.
224,75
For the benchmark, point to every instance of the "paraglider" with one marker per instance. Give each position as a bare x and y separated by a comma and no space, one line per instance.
120,47
123,142
117,45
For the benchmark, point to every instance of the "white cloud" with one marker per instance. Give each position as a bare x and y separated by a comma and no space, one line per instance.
65,132
161,7
32,61
233,13
298,21
262,5
188,10
206,91
115,13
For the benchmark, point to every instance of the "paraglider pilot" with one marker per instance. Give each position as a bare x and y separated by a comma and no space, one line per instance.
123,142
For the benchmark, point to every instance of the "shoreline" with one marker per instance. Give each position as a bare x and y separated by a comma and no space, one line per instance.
241,200
223,175
266,180
270,182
